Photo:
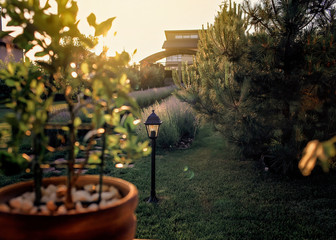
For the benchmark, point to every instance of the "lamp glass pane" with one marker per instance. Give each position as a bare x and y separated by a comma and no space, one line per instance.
152,128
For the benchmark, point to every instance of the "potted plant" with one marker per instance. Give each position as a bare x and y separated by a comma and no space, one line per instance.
82,206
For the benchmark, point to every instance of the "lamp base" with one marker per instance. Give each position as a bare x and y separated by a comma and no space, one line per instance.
152,199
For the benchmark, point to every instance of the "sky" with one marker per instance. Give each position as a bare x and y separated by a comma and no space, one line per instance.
140,24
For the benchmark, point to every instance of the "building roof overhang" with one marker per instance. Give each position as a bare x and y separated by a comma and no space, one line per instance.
180,43
168,32
171,52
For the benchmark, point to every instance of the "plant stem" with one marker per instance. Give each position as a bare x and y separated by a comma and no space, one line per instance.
71,155
102,163
37,170
37,183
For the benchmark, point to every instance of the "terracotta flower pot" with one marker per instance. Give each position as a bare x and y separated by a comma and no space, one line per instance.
113,222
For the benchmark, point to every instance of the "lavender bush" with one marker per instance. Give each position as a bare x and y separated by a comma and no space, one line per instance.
178,118
148,97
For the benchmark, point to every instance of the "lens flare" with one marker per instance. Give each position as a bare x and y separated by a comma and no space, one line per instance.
74,74
119,165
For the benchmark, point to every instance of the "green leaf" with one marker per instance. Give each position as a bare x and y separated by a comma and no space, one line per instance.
120,130
66,129
39,89
77,122
73,9
104,27
112,140
13,23
68,19
98,118
107,118
87,92
23,127
85,68
92,20
94,159
29,46
48,102
4,34
40,54
30,3
30,106
44,116
21,40
115,120
46,6
10,82
11,105
11,68
329,149
129,123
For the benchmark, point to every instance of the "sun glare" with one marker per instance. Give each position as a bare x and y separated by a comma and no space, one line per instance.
140,25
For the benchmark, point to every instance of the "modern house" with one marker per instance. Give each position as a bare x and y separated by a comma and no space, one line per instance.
179,47
183,40
8,50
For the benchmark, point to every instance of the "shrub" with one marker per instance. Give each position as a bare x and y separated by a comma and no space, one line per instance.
152,76
178,119
4,89
133,75
148,97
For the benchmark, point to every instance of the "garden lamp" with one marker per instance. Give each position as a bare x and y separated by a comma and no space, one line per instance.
152,124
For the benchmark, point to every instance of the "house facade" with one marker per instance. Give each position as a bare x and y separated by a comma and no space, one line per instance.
183,40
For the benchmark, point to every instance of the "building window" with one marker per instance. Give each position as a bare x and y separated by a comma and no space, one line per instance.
181,36
175,58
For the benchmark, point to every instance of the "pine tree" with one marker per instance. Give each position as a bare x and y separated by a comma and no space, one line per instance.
291,51
217,84
271,91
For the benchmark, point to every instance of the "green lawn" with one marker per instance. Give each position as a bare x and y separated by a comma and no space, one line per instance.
205,194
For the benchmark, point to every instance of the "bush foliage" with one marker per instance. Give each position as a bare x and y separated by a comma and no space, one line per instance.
148,97
271,90
146,76
179,121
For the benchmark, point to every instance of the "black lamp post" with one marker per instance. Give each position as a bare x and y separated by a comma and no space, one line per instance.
152,124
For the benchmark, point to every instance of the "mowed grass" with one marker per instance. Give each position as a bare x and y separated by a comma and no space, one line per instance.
207,195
